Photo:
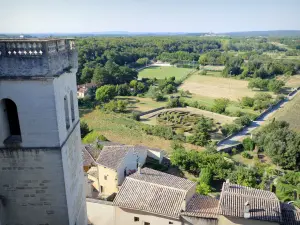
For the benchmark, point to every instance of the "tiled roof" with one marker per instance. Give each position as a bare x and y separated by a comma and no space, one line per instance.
155,195
112,156
160,178
202,206
88,160
264,205
92,150
290,214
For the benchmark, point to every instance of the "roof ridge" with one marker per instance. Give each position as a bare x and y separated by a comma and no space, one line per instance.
159,185
90,154
250,196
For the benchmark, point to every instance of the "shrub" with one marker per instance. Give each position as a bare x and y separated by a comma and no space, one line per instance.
84,129
136,116
203,72
247,101
246,155
248,144
243,121
229,129
92,137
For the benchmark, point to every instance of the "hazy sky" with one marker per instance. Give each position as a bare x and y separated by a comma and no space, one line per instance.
40,16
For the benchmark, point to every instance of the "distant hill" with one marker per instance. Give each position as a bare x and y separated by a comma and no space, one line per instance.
271,33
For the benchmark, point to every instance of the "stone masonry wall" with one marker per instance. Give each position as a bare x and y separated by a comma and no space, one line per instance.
32,185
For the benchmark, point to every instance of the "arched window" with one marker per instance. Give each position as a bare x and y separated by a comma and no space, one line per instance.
72,106
67,112
10,114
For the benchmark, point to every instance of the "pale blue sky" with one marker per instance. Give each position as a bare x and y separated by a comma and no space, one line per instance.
40,16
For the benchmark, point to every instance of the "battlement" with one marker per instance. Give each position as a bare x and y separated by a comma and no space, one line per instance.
36,57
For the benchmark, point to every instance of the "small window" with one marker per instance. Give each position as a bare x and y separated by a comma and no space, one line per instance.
67,118
146,223
136,219
170,222
101,189
105,177
72,106
11,121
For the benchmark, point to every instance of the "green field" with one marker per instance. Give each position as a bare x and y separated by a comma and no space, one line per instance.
162,72
290,113
137,104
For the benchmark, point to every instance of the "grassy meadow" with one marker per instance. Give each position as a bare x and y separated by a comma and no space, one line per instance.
162,72
290,113
217,87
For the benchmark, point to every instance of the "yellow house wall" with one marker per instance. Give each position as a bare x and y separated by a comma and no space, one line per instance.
110,185
225,220
126,216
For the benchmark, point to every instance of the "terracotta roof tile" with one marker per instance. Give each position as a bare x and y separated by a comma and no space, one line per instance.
112,156
264,205
157,177
154,192
202,206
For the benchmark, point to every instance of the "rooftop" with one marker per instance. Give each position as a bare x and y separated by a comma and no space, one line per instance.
112,156
87,154
164,179
264,205
202,206
155,192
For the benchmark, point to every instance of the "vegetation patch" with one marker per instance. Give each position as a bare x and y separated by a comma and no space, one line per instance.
162,72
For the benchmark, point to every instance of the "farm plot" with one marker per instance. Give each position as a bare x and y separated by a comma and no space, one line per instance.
217,87
290,113
162,72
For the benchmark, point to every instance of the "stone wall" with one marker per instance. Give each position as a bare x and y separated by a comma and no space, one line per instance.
33,187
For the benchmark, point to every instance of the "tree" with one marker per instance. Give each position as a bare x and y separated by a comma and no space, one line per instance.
155,94
220,105
86,74
142,61
116,106
258,83
244,176
101,76
275,85
84,129
105,93
203,59
280,143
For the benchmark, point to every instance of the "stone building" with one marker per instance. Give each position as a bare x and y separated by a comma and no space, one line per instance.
150,197
41,176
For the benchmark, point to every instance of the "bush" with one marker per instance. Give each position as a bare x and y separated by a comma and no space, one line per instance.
229,129
246,155
92,137
136,116
247,101
116,106
84,129
243,121
203,72
248,144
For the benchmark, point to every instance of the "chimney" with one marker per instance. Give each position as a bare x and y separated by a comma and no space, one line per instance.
247,210
227,181
139,168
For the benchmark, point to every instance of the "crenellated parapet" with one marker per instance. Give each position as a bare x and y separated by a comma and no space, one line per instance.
36,57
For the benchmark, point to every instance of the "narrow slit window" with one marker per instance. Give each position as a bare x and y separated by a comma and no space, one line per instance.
10,112
72,106
67,112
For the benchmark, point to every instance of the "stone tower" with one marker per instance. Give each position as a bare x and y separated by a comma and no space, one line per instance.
41,175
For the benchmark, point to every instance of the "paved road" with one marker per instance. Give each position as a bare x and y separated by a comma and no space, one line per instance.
246,131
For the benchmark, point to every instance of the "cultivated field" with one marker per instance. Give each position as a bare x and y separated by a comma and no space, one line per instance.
217,87
293,81
137,104
290,113
162,72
